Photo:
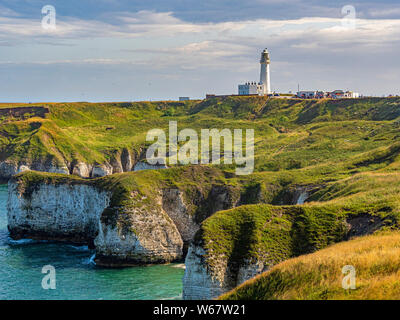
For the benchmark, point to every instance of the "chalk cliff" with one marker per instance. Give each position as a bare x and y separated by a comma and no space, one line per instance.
55,212
122,161
202,282
235,245
137,234
79,211
8,168
130,218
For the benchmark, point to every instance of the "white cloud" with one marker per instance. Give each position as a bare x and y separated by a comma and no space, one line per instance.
158,43
155,24
202,44
384,13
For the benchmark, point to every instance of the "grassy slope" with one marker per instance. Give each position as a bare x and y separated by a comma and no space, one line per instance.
275,233
83,131
290,134
330,143
268,233
347,149
319,275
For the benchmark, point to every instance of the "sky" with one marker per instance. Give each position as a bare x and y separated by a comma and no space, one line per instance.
128,50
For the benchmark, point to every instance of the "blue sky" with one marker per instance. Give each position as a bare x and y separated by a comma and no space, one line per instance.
120,50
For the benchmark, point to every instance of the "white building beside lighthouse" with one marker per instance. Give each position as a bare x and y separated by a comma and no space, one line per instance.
264,86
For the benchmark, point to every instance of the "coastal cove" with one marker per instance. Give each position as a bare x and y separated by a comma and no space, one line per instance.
77,276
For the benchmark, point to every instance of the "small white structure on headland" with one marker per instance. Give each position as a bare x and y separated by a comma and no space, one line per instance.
263,87
337,94
250,88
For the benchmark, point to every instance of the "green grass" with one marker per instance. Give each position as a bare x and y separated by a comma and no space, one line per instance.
290,134
318,276
271,234
325,143
347,151
268,233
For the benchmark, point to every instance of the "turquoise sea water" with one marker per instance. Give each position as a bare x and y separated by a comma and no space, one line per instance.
77,277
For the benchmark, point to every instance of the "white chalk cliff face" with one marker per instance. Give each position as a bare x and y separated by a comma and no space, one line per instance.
141,233
145,166
142,238
198,283
82,170
138,234
101,170
301,194
201,283
56,212
174,205
81,213
9,168
123,161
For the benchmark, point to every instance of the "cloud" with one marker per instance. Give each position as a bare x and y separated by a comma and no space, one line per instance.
317,51
165,24
71,62
384,13
172,42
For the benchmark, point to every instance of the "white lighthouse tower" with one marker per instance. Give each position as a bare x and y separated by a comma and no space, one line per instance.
263,87
265,79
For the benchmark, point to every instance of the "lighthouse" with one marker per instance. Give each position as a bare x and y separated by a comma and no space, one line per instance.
265,80
263,87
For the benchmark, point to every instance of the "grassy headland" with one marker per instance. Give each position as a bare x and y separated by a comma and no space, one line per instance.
347,152
318,276
290,134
